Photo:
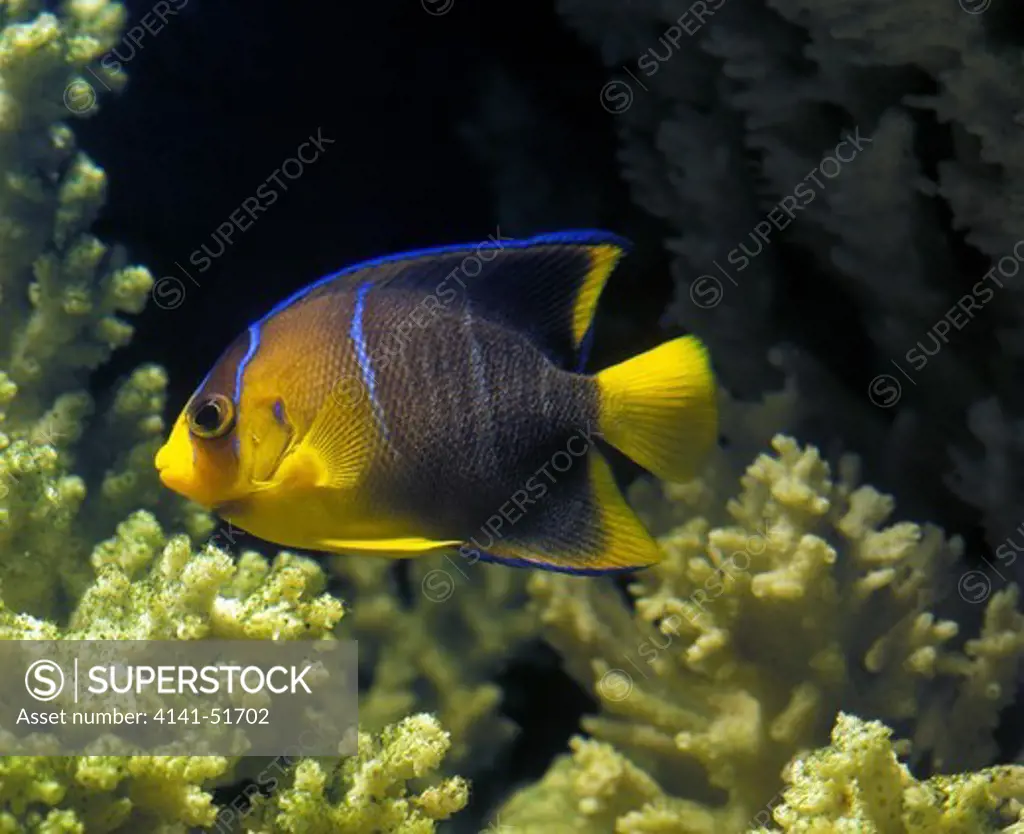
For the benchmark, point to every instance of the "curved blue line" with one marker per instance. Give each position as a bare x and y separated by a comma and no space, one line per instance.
358,336
254,345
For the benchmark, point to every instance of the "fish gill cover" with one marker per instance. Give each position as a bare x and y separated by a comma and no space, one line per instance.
838,189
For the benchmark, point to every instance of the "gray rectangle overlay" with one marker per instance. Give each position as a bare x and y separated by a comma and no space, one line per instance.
178,697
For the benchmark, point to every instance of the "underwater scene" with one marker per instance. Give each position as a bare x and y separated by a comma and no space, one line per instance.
614,406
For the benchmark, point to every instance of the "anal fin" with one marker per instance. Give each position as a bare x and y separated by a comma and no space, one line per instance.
583,525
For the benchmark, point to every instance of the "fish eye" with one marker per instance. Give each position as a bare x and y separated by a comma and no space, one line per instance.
211,417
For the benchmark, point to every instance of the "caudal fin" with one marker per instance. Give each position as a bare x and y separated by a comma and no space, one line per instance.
660,408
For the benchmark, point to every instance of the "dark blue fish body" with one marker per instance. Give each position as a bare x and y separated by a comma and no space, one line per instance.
435,400
507,428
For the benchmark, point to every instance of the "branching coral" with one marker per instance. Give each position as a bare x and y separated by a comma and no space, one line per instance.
858,785
746,641
48,516
855,786
151,588
49,197
148,588
61,293
598,789
370,791
75,795
440,649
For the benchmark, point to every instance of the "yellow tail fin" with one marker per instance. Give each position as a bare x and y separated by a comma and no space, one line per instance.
660,408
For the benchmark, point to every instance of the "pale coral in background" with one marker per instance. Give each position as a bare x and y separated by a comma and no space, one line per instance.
888,279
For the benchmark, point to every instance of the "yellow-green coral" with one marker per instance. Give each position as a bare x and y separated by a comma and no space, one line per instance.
149,588
100,794
49,518
746,641
857,786
597,789
49,195
61,296
370,791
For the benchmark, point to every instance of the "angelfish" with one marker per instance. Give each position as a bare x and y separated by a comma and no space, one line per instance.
436,400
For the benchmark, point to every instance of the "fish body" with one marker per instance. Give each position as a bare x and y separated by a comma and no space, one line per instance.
435,400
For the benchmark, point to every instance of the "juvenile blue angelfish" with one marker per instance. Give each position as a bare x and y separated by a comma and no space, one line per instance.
435,400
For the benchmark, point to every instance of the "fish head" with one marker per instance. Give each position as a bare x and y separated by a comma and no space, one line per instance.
222,452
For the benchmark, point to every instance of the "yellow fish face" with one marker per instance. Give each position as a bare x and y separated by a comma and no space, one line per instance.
219,454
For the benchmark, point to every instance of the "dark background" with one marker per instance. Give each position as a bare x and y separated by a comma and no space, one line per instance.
227,91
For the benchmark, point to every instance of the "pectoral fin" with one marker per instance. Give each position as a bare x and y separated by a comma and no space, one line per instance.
340,444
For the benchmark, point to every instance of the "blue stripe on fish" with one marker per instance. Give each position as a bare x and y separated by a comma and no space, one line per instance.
579,236
358,336
254,345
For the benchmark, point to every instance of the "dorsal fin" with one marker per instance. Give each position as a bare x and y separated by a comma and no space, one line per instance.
545,286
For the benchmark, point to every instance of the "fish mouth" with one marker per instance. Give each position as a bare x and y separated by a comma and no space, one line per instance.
166,475
172,478
182,483
160,461
165,470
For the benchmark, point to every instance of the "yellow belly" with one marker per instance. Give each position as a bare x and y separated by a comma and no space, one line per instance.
329,520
